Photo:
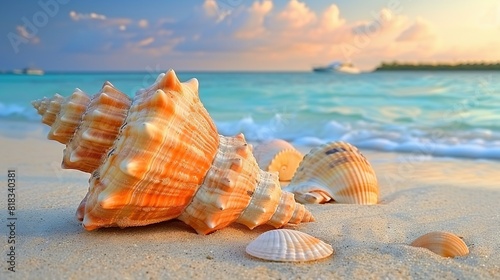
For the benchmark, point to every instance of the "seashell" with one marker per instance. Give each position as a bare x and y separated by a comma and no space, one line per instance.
72,109
337,171
444,244
279,156
287,245
159,156
49,108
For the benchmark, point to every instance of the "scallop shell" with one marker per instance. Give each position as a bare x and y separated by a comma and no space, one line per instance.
158,157
335,171
444,244
287,245
278,156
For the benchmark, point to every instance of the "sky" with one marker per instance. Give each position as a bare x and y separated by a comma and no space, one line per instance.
243,35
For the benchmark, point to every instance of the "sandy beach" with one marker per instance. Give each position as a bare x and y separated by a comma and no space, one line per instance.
419,194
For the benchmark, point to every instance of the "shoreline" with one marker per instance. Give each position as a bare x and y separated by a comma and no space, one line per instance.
19,129
418,195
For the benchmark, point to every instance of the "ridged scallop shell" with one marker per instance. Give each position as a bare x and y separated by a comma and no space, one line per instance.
442,243
159,157
337,171
279,156
287,245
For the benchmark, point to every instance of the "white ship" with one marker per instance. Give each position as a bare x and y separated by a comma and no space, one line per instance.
338,67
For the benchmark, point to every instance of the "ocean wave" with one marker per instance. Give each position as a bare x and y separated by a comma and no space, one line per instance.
445,141
17,112
473,143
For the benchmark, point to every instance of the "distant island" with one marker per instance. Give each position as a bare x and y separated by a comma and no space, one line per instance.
398,66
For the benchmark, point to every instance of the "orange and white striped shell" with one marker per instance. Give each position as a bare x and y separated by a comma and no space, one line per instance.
158,157
287,245
337,171
278,155
445,244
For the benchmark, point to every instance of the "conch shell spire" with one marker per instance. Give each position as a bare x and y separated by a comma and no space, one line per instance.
158,157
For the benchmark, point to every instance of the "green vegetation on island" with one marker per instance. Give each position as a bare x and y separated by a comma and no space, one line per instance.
466,66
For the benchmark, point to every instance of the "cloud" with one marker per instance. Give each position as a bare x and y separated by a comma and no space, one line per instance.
31,38
91,16
262,34
103,34
296,15
331,18
210,7
212,28
146,42
254,25
385,21
295,29
100,34
143,23
419,31
213,10
102,20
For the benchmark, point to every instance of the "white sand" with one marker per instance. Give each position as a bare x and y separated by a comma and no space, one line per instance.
370,242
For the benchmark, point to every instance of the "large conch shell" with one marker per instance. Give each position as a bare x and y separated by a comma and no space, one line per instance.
159,157
337,171
278,155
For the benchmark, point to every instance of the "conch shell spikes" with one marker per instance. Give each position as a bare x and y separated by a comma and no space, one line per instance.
159,157
72,109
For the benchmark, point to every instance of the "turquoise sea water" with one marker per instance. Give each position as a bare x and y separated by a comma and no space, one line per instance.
454,114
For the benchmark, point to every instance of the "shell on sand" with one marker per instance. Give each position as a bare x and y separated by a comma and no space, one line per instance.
159,156
287,245
278,155
442,243
337,171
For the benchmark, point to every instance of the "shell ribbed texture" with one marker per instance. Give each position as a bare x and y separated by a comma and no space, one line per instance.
444,244
159,157
236,190
288,246
72,110
335,171
98,129
277,155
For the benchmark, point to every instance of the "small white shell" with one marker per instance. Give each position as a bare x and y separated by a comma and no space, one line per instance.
288,245
279,156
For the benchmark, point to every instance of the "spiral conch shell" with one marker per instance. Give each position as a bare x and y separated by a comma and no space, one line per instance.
337,171
158,157
280,156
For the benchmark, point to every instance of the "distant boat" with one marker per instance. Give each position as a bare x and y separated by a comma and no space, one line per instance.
33,71
338,67
28,71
